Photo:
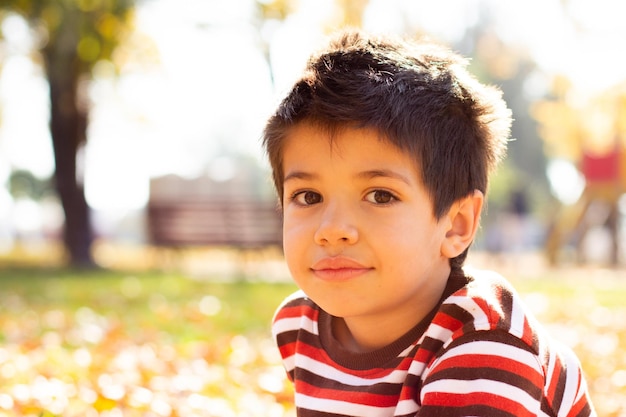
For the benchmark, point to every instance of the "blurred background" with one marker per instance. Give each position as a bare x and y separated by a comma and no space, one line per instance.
140,245
109,106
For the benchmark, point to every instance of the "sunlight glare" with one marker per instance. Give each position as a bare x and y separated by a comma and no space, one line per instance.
24,134
16,32
203,100
566,182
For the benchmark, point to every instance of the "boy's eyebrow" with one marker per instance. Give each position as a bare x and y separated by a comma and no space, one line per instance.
300,175
369,174
384,173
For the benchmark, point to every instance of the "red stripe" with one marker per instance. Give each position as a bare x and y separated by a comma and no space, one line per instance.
527,336
356,397
492,362
578,407
554,378
320,355
423,355
287,349
297,312
446,321
461,293
489,311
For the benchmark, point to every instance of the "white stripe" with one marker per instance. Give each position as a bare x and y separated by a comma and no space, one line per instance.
550,371
416,368
582,389
438,332
341,407
517,318
405,407
451,386
294,323
289,363
329,372
570,362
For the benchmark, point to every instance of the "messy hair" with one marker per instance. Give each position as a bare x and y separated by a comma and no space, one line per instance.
417,95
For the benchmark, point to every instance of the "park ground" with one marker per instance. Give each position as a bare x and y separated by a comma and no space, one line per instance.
186,333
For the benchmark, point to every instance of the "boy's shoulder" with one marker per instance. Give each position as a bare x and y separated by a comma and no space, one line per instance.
486,284
489,302
296,318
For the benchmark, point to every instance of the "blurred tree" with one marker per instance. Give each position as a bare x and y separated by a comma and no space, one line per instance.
559,121
75,35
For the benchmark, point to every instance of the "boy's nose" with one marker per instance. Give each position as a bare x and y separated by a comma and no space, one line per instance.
336,227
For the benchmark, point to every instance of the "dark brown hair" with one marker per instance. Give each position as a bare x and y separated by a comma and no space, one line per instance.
418,95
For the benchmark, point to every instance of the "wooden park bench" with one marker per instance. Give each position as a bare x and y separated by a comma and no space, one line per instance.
243,223
214,228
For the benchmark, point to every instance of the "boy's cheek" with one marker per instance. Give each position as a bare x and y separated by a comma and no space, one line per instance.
294,234
297,218
298,238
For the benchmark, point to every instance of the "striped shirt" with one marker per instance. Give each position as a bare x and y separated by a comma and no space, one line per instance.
478,353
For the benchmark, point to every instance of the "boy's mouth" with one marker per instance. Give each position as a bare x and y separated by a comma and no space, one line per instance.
338,268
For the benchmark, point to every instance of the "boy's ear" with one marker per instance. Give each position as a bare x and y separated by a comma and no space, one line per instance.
463,220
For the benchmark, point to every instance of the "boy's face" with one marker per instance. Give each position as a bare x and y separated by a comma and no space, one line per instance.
360,238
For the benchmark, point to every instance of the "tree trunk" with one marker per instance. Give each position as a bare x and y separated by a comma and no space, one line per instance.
68,125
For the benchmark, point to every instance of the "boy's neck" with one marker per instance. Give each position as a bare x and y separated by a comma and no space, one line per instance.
366,334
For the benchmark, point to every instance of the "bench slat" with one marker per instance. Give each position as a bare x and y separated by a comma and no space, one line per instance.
239,223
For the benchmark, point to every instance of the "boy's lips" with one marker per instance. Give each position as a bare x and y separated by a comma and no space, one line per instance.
338,268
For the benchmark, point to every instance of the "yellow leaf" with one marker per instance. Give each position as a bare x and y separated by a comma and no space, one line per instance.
104,404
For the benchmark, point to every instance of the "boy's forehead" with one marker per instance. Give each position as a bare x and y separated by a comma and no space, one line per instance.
304,136
305,131
303,142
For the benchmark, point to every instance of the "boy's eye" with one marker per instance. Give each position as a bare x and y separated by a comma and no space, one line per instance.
380,197
307,198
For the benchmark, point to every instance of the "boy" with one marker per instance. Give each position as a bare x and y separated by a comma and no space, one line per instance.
380,155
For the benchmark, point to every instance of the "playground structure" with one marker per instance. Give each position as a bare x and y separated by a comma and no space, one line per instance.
593,136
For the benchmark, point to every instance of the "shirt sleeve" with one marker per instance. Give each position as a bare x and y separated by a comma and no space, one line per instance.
484,373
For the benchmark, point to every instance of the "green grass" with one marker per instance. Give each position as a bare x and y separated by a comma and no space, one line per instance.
175,304
608,293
